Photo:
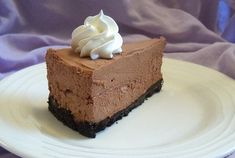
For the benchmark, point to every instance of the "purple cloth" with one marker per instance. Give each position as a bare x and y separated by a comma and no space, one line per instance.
202,32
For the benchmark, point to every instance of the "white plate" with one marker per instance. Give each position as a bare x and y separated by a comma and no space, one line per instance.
193,116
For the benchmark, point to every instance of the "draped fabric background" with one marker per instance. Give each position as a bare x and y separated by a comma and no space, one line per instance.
199,31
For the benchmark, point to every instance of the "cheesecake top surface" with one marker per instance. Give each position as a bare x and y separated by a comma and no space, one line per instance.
73,59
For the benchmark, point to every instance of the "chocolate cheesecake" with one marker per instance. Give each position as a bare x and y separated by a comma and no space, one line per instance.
89,95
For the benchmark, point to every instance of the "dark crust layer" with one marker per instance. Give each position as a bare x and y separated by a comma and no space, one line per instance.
89,129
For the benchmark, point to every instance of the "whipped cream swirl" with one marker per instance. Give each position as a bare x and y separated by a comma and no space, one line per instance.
97,38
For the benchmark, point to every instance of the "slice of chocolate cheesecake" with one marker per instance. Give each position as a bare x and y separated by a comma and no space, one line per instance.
89,95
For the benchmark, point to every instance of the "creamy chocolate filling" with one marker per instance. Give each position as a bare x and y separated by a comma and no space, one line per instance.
95,89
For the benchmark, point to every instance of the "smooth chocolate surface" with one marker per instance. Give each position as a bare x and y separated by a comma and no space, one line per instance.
96,89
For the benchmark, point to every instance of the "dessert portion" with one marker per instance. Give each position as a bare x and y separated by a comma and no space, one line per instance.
89,95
